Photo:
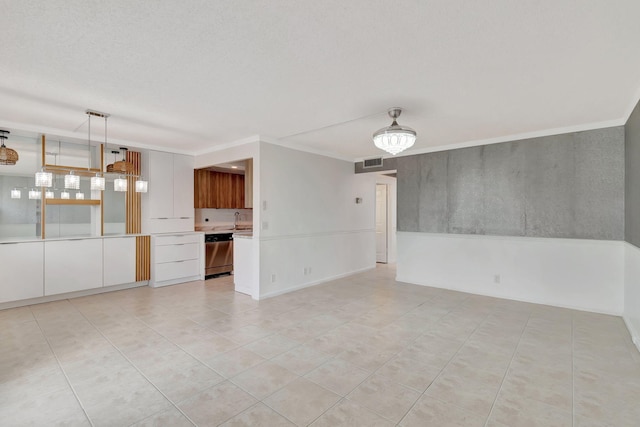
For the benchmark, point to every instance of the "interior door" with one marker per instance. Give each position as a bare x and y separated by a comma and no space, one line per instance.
381,222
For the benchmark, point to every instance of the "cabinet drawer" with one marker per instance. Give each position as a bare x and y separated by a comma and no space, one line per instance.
174,239
176,270
177,252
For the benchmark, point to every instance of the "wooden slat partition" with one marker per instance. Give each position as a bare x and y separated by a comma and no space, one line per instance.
143,258
133,201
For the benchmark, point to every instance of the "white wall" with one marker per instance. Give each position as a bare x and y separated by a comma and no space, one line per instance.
632,291
575,273
311,219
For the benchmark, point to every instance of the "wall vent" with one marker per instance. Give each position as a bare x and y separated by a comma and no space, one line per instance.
372,163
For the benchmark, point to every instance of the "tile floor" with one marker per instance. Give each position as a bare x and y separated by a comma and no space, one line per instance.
361,351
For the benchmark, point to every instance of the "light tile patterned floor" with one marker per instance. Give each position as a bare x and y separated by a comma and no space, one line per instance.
361,351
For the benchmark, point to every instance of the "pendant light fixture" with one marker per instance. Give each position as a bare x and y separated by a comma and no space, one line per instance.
394,138
97,181
122,166
35,194
49,194
141,186
44,179
72,181
120,184
16,194
7,155
64,195
79,195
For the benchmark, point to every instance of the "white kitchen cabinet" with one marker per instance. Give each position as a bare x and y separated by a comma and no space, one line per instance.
23,271
176,258
183,186
119,260
160,192
72,265
168,204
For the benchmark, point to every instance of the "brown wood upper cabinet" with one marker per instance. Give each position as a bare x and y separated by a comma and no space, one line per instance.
218,190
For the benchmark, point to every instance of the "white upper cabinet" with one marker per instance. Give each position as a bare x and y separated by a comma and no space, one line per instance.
160,193
168,206
183,186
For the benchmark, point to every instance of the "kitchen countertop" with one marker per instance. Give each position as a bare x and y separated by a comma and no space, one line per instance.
248,234
215,230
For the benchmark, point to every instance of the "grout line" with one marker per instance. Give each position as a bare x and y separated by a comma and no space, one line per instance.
73,390
137,369
506,372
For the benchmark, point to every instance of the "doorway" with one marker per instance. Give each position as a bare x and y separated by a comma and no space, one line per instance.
382,229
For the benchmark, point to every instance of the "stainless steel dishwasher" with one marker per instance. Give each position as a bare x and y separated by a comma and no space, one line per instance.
219,254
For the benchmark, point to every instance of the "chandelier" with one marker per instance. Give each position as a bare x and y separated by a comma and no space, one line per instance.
394,138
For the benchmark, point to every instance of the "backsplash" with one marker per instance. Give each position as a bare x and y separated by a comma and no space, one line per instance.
222,217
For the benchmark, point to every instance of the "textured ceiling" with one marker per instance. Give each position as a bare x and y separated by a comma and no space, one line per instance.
189,75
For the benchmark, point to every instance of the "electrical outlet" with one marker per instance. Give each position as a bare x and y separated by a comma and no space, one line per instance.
264,205
304,271
496,279
273,278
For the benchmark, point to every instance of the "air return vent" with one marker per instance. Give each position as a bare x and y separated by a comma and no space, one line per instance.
372,163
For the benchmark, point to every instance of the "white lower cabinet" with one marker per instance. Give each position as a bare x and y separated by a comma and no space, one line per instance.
23,271
72,265
176,258
119,260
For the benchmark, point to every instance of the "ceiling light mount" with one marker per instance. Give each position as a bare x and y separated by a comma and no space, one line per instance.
394,138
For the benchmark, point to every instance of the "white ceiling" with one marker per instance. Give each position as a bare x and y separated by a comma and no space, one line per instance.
189,75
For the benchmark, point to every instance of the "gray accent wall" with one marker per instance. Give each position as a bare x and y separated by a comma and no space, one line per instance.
567,186
632,178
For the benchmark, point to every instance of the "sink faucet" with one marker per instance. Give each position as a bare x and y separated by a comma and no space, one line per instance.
236,217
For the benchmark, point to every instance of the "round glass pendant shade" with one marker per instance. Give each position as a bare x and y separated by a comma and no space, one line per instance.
394,141
395,138
16,194
64,195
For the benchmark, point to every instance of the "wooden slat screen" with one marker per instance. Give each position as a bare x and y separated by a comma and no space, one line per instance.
133,201
143,258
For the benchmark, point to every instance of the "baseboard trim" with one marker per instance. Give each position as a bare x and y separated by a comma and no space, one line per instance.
635,337
69,295
314,283
155,284
496,295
